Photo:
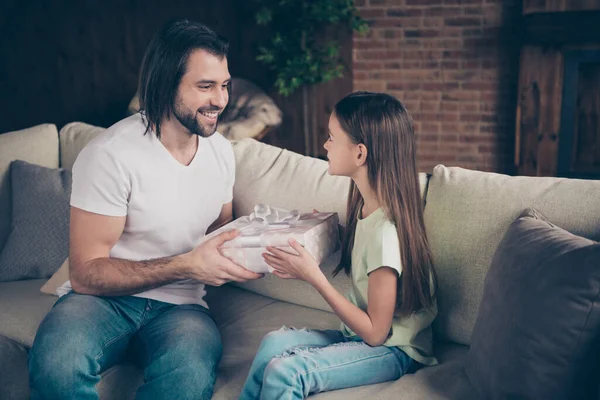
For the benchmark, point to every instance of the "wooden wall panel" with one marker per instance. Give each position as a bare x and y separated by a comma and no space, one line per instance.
586,157
538,111
537,6
78,60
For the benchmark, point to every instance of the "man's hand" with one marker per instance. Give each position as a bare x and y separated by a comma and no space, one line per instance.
208,265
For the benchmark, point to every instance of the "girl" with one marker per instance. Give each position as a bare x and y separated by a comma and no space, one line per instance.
387,315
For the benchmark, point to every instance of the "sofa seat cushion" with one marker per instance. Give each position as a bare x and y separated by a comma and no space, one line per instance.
243,329
22,309
446,381
244,318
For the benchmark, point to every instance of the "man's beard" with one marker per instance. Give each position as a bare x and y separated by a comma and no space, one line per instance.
189,120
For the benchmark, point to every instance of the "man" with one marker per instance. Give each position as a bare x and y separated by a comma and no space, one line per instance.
144,194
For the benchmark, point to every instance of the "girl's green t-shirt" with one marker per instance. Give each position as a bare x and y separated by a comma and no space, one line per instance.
376,245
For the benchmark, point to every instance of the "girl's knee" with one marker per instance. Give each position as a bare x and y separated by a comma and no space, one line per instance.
285,372
284,334
284,342
277,342
279,368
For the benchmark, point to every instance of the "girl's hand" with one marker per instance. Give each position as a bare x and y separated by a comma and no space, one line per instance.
291,266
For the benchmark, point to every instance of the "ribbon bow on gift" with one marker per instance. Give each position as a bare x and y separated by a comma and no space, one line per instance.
266,217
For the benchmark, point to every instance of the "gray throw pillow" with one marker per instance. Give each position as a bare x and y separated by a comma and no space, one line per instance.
38,243
537,335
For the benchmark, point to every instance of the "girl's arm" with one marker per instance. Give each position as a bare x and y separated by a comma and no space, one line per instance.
372,326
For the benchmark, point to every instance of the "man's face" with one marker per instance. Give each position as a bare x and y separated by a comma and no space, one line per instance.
203,93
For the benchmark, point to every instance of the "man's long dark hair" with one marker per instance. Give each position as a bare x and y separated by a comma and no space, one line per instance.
165,63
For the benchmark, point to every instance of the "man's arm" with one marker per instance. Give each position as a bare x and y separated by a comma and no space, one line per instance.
225,217
92,271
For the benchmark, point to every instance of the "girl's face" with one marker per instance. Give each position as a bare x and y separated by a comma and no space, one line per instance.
341,152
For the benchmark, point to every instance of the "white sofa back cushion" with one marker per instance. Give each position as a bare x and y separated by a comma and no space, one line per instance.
271,175
466,217
73,138
36,145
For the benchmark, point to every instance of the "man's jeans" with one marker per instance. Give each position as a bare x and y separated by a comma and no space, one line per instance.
291,364
178,347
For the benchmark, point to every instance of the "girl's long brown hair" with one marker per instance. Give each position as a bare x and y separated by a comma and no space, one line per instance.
384,126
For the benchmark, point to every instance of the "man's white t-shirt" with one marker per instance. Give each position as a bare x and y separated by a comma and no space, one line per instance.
169,206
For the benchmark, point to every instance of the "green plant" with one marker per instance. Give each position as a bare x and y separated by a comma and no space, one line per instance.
297,50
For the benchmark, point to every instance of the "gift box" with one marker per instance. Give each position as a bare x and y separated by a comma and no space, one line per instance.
270,226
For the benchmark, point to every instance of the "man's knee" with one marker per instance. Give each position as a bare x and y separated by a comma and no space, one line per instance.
54,373
193,360
202,376
59,360
195,355
51,364
182,373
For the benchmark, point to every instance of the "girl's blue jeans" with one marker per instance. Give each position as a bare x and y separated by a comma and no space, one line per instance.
291,364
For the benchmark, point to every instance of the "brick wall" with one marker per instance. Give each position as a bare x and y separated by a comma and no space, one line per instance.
454,63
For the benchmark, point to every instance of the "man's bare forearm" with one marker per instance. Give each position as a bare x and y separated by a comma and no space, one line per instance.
119,277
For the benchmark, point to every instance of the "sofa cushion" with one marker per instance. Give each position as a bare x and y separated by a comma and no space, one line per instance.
261,317
73,138
466,216
37,145
281,178
39,240
245,318
539,319
446,381
22,309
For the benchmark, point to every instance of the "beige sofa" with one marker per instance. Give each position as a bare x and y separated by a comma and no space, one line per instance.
466,214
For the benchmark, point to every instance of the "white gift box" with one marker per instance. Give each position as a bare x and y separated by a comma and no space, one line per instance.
269,226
